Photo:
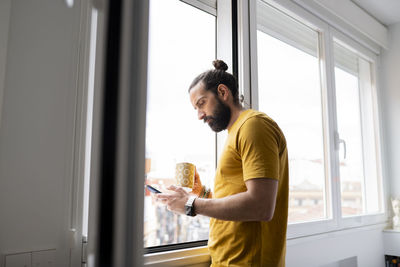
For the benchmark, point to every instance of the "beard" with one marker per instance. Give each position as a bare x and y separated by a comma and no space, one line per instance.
221,116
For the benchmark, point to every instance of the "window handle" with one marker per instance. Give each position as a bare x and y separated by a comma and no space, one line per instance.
338,142
341,141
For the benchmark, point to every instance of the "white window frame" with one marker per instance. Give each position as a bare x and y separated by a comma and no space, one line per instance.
379,217
327,35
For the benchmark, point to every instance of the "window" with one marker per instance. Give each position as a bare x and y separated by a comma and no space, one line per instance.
359,176
319,86
290,92
181,45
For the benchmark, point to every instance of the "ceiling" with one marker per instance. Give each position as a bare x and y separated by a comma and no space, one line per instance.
385,11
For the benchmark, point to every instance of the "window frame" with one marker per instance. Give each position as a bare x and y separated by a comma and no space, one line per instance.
327,36
373,59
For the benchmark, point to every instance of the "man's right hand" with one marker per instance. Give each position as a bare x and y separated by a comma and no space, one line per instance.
197,186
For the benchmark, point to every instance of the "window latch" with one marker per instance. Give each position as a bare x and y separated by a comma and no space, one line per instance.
341,141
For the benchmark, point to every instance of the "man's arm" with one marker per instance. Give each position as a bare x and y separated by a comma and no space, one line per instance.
256,204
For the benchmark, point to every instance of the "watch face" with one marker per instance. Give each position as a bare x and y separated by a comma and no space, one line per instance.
189,209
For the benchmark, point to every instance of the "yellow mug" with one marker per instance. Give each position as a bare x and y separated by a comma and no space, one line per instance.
184,174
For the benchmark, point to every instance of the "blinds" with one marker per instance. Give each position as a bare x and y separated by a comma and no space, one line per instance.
345,59
209,6
279,25
210,3
285,28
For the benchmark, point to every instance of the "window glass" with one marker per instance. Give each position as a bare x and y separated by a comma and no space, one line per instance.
358,160
181,46
289,91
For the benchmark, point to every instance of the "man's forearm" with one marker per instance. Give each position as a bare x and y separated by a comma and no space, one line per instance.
238,207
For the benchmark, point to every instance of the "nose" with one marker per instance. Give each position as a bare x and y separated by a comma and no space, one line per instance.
200,114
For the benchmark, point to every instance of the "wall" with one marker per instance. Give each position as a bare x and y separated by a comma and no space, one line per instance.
338,248
390,104
37,125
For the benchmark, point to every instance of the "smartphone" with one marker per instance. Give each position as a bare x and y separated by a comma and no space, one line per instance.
152,189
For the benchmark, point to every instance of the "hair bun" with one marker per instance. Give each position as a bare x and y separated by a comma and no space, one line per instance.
220,65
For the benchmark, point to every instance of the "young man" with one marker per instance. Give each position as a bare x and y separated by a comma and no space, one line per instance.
249,207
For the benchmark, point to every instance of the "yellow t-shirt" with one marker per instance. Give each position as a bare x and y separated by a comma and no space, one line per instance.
255,148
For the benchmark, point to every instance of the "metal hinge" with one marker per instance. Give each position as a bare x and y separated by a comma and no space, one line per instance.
84,251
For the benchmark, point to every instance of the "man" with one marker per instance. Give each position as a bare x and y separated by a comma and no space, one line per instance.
249,207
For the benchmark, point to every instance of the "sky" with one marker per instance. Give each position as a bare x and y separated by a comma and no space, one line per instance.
181,46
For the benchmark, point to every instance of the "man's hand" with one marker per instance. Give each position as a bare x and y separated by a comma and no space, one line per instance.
197,186
175,200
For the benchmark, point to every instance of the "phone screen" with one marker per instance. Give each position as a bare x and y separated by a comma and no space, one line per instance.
152,189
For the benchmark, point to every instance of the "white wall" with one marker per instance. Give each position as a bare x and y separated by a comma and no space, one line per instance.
332,249
390,104
37,124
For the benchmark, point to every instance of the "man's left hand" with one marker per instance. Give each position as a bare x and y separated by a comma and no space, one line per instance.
175,200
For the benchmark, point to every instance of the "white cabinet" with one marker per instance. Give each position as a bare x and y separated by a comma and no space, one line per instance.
18,260
391,242
44,258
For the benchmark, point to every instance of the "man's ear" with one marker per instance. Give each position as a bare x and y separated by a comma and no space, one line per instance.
223,91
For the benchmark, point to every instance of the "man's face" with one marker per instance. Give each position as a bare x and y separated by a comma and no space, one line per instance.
210,108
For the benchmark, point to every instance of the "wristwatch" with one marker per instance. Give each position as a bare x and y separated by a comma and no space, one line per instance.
189,207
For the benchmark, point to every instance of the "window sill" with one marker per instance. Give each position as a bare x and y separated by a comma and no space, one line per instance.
337,232
198,256
316,228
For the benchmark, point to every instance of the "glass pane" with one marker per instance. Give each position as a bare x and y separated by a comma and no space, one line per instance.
351,167
290,93
359,181
373,185
181,45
